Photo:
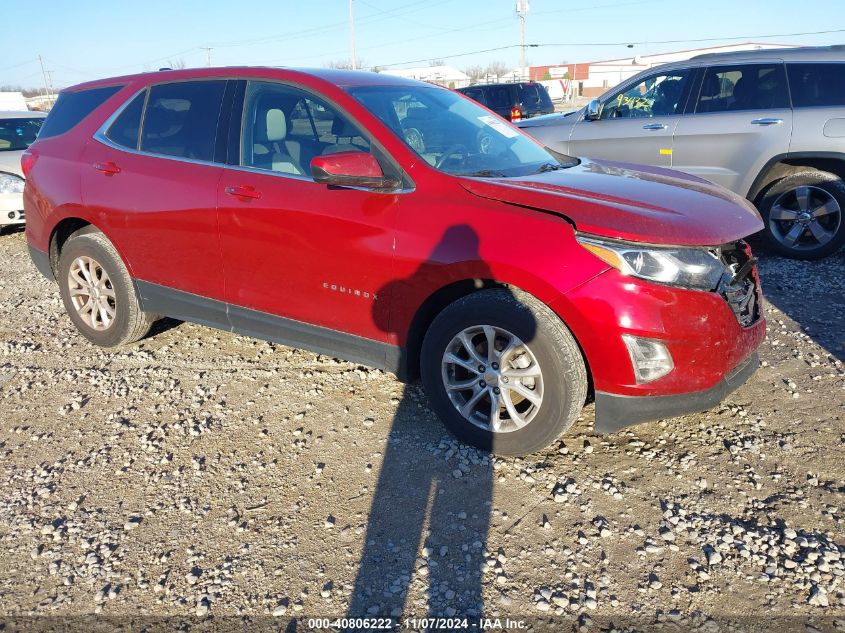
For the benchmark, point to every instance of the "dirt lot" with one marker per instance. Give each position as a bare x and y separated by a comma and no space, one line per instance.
202,474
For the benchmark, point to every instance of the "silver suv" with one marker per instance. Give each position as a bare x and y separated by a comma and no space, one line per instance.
769,125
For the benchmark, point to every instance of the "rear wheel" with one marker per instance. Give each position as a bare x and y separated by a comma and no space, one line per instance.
98,293
503,372
803,215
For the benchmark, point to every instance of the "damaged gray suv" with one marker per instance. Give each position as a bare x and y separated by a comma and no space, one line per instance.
768,125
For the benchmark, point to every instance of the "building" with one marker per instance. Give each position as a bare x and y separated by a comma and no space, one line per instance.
442,75
591,79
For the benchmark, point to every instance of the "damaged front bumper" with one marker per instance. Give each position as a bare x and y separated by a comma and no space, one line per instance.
614,412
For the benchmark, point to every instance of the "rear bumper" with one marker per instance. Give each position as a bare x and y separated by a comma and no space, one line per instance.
42,262
614,412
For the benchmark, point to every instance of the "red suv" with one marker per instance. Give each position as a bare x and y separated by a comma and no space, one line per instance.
301,207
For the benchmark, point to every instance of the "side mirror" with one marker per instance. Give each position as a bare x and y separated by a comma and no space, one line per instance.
351,169
593,112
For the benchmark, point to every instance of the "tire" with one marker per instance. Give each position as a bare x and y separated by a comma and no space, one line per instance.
127,323
561,387
793,204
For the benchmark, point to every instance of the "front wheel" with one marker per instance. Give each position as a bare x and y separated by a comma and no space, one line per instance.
803,215
503,372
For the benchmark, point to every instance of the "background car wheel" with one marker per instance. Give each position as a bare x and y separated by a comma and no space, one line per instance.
803,214
98,292
503,372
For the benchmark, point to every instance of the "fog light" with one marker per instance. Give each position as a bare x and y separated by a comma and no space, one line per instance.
650,359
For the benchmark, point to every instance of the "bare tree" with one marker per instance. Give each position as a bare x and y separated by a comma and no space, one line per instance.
436,62
176,64
497,69
475,73
344,64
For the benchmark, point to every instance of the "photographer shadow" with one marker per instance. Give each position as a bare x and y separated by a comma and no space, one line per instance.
426,540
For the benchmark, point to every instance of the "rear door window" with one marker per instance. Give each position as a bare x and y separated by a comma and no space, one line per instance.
499,97
743,87
72,107
181,119
816,84
126,127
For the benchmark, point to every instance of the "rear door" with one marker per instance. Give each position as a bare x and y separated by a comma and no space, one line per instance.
151,174
741,118
637,121
818,101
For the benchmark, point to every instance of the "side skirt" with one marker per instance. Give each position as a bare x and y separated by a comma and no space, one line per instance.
269,327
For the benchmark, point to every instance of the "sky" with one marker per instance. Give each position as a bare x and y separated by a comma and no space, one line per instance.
80,40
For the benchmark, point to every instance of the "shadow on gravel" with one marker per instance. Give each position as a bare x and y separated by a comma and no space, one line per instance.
811,293
429,518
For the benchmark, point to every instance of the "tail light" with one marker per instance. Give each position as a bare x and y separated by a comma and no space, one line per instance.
28,159
516,114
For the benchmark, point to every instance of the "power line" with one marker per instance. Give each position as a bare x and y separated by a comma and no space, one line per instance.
628,43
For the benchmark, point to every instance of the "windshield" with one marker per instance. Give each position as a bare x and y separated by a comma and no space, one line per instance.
456,135
18,134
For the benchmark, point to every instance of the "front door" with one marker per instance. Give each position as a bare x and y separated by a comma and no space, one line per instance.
741,119
294,248
636,122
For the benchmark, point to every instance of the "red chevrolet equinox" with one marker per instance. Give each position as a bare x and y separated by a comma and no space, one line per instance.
400,225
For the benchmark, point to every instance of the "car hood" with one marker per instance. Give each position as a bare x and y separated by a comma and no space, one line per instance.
630,202
10,162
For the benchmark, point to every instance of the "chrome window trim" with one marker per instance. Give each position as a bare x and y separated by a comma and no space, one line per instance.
100,134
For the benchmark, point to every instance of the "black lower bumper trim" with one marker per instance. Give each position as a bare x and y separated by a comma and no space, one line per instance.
42,262
614,412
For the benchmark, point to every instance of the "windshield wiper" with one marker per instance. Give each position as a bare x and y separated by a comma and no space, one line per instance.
483,173
548,167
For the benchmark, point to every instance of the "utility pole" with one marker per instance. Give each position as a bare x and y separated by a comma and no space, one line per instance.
352,36
207,50
47,92
522,11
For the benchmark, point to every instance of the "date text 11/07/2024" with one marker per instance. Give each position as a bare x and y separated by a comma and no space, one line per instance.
415,624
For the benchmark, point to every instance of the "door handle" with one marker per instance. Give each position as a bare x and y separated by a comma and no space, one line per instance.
767,122
109,168
244,192
655,126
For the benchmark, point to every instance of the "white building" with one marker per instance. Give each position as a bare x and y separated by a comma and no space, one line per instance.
443,75
590,79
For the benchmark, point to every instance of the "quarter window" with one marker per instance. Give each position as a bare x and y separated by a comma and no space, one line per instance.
657,95
816,84
181,119
748,87
124,131
72,107
284,128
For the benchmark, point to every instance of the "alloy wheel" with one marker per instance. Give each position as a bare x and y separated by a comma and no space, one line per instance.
492,378
92,293
805,218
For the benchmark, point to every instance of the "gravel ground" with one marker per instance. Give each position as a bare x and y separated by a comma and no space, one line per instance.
203,474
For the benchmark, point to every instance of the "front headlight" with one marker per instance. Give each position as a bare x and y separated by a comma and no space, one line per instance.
696,268
9,183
